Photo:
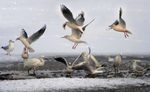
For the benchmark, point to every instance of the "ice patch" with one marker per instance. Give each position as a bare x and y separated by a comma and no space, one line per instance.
51,84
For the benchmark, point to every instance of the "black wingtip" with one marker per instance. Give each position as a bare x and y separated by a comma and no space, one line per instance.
62,6
59,59
43,28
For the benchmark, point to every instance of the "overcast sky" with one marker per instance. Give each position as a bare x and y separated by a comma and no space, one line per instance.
33,14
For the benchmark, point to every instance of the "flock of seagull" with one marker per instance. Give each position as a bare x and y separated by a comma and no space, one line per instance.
89,63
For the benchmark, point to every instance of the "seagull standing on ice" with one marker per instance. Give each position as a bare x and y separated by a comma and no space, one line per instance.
117,62
138,68
34,63
28,40
120,25
9,48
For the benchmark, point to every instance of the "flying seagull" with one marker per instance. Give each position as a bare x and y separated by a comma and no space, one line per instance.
89,64
68,64
28,40
76,35
9,48
76,23
120,25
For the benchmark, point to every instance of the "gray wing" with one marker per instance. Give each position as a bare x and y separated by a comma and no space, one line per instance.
80,66
36,35
93,61
122,23
62,60
84,27
67,13
24,34
80,19
76,33
5,47
115,23
139,68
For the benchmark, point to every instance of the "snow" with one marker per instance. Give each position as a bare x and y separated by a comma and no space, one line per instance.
54,84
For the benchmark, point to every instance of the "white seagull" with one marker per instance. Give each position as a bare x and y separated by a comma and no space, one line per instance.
34,63
76,23
68,64
138,68
28,40
117,62
90,64
9,48
120,25
76,35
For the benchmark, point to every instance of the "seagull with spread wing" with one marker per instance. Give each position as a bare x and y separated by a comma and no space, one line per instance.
68,64
76,35
89,64
28,40
76,23
120,25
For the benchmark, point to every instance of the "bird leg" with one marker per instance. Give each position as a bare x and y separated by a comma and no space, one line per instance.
126,34
28,71
34,71
75,45
64,25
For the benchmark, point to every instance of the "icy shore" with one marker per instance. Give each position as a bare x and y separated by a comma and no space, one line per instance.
55,84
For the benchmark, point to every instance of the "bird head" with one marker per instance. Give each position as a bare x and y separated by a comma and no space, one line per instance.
11,41
64,25
66,36
18,38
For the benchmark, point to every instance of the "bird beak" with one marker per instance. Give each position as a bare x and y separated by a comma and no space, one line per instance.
64,25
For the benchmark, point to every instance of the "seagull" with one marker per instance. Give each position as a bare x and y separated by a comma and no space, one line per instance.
25,54
120,25
34,63
69,65
76,35
28,40
76,23
138,68
9,48
117,62
89,64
